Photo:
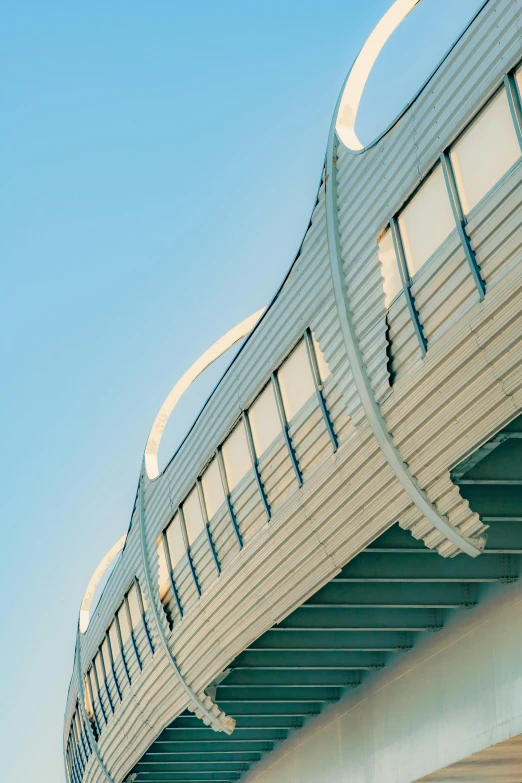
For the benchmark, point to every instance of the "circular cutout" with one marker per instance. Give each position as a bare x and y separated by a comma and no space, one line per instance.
361,69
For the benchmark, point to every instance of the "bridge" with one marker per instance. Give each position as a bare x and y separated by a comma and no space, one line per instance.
323,582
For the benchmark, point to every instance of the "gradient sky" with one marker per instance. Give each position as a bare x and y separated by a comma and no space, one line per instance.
160,162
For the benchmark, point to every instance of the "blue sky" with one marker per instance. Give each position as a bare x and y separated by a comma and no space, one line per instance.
161,160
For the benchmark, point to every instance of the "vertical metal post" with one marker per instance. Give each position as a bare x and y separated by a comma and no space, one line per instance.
226,491
144,616
75,766
406,285
203,506
113,668
312,358
255,463
70,764
284,427
460,222
77,742
133,638
87,681
107,691
168,559
189,553
513,97
81,741
84,729
122,651
93,669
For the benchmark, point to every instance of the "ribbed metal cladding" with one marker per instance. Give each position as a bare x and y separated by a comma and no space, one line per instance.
438,410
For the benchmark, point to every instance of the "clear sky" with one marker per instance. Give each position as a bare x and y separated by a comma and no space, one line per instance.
160,163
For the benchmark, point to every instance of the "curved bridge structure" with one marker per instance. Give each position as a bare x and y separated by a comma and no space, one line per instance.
322,584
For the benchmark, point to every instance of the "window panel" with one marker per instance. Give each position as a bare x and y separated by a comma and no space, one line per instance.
78,725
212,488
92,680
175,541
88,703
296,381
134,606
114,640
426,221
124,623
236,455
264,420
392,282
193,516
324,369
163,571
99,668
106,655
485,152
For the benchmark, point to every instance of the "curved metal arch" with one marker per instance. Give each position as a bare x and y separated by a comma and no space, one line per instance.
85,608
207,358
355,358
85,717
218,720
355,83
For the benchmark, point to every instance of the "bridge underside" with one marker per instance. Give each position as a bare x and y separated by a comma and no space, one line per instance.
382,605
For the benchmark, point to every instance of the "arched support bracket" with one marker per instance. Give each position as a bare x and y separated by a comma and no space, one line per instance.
348,104
397,12
200,704
207,358
85,717
85,609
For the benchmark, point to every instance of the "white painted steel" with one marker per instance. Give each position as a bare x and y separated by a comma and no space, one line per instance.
81,700
346,114
95,580
216,350
201,705
362,382
456,693
438,410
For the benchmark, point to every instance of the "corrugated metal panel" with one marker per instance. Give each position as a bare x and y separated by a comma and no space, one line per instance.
495,229
444,290
277,473
469,384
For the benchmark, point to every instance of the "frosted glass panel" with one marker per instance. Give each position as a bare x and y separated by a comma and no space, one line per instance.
115,642
88,702
324,370
392,282
175,541
296,381
193,516
134,606
92,680
264,420
163,571
106,656
212,488
124,623
99,669
485,152
236,455
426,221
78,725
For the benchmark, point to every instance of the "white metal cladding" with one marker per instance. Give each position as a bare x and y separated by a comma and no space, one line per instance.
438,409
